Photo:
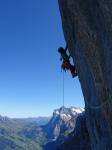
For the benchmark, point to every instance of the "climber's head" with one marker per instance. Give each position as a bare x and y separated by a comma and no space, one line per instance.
61,50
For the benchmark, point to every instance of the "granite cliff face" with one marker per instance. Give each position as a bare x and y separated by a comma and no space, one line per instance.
87,26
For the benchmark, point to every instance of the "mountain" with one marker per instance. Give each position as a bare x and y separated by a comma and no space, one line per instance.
32,134
63,120
61,125
18,134
38,120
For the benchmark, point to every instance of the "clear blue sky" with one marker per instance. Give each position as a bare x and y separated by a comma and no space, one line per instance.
30,74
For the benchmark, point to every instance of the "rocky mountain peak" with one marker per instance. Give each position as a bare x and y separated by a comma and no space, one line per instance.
63,120
67,113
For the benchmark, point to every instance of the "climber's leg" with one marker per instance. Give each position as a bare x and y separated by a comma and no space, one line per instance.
73,71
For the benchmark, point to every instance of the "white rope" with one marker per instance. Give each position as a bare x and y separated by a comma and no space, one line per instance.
63,94
63,88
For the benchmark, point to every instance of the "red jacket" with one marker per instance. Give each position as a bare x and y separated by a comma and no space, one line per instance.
66,65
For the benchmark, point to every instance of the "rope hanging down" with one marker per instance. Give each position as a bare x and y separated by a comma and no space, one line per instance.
63,88
63,95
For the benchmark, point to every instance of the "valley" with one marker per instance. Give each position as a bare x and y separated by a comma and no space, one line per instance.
38,133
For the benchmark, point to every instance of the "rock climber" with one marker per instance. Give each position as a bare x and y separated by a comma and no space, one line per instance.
66,65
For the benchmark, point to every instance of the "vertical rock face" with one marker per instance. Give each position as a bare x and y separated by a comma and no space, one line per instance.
87,26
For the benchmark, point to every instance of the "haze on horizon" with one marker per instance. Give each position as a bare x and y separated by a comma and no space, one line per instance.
30,74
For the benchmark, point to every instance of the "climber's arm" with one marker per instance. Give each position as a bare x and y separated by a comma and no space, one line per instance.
66,47
68,51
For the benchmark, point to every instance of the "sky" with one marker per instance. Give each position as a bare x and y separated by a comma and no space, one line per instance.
30,73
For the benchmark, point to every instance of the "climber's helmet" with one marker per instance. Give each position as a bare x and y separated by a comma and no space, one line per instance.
61,50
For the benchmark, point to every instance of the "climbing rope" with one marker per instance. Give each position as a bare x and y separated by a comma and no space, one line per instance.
63,88
63,94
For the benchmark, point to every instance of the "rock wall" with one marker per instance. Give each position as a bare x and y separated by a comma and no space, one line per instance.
87,26
79,138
